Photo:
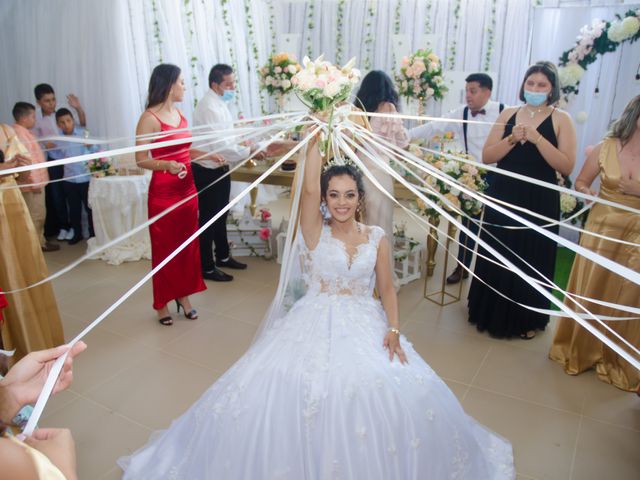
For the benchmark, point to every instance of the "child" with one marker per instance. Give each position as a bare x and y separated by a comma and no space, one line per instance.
24,115
76,175
57,221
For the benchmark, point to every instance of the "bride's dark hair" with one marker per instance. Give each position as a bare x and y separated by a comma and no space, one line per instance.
338,170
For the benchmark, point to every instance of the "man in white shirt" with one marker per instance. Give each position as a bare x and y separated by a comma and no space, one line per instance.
212,110
472,136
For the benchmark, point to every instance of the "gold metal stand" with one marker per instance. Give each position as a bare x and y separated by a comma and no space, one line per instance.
438,296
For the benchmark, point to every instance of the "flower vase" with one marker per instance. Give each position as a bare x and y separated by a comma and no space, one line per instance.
280,99
432,244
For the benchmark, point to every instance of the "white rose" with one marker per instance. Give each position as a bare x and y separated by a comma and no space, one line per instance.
430,91
286,84
567,203
292,69
630,26
570,74
616,32
332,89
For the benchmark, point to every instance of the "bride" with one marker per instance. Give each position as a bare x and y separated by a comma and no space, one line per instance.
330,390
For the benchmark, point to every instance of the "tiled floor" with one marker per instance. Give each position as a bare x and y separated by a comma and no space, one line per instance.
137,375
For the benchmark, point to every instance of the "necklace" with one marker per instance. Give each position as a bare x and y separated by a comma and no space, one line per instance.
532,112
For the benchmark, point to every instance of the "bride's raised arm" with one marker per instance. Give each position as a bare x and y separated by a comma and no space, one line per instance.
310,216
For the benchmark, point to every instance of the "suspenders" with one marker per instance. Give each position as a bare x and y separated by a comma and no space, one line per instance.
465,117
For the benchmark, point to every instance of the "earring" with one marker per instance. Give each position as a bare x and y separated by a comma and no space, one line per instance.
324,210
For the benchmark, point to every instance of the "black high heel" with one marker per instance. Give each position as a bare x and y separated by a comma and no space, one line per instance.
192,315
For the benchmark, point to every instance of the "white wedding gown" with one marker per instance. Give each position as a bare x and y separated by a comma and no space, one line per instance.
316,397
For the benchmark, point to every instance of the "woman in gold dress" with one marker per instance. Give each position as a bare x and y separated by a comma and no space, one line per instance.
617,161
31,320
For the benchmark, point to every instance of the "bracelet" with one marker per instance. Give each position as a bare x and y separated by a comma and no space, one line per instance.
394,330
510,139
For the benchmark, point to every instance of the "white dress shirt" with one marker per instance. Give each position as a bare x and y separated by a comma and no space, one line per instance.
214,112
477,133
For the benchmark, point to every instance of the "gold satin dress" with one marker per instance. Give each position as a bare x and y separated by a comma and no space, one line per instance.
573,346
31,321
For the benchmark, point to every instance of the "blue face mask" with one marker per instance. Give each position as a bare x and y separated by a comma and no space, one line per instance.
535,98
228,95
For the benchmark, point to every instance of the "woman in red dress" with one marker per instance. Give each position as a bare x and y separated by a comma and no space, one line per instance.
171,182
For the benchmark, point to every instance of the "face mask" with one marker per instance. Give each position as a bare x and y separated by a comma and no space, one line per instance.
228,95
535,98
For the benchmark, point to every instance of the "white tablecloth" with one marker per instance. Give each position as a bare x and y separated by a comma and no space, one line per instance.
119,204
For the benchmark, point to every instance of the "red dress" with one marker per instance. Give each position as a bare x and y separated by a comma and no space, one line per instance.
181,276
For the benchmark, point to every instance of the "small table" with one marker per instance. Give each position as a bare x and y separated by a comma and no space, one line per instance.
119,204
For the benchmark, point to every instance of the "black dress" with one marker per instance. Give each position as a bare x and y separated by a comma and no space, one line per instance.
487,309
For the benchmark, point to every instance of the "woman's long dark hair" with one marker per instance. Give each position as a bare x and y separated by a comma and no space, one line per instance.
376,87
162,79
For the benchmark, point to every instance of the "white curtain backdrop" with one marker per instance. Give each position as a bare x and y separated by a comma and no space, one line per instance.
104,51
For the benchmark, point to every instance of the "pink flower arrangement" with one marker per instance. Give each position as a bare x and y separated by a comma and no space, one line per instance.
265,234
421,76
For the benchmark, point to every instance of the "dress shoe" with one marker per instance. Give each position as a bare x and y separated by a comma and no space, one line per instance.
76,239
63,234
231,263
216,275
50,247
71,234
457,275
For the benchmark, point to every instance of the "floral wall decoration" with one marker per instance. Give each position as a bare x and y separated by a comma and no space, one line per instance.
420,77
598,38
234,61
310,26
193,60
368,36
272,26
490,36
254,49
339,28
156,29
451,62
427,17
396,28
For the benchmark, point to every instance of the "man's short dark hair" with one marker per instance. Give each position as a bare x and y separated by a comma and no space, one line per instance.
42,89
483,80
21,109
61,112
218,72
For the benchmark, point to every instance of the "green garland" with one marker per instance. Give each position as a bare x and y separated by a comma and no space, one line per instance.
427,17
368,38
156,29
451,63
396,28
490,36
272,26
310,25
234,61
254,50
188,9
339,26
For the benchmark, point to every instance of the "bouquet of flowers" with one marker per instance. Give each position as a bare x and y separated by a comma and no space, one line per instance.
568,203
420,76
320,85
277,73
467,174
101,167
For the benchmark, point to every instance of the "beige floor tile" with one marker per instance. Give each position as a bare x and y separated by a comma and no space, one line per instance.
531,376
253,310
452,355
58,401
459,389
155,390
606,451
543,439
609,404
216,343
101,435
106,355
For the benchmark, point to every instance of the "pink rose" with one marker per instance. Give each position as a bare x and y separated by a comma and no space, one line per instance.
265,215
265,233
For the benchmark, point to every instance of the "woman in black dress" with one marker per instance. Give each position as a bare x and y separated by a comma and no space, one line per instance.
536,140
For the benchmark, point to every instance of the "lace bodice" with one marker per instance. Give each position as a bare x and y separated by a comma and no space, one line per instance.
330,269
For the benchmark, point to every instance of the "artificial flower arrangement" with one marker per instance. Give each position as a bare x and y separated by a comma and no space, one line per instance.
320,85
277,74
420,76
597,38
101,167
402,244
466,173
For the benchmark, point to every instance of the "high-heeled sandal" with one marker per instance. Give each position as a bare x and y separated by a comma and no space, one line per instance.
166,321
192,315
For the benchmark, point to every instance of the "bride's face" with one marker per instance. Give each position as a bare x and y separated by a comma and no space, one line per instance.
342,197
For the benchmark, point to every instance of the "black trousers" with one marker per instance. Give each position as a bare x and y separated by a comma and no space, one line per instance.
210,202
78,196
56,202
